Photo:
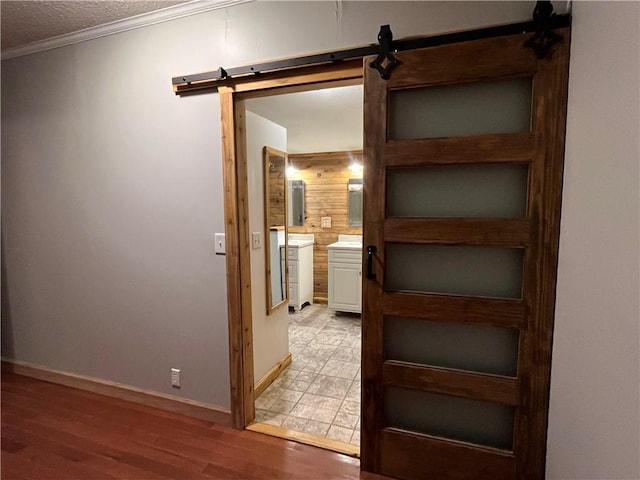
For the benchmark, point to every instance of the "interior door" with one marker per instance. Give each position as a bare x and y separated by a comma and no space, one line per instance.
464,148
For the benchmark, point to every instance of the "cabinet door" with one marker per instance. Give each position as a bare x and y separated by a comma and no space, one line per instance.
345,287
294,300
293,271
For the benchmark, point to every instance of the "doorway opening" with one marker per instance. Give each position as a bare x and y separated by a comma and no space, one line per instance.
305,150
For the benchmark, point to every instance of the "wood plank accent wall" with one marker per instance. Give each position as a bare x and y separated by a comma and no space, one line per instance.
326,176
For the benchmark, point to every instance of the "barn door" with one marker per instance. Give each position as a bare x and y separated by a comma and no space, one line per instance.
463,174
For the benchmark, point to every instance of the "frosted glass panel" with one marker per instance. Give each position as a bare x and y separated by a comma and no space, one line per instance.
498,191
470,109
460,270
450,345
456,418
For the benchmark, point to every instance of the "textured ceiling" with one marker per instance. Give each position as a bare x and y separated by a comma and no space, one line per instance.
29,21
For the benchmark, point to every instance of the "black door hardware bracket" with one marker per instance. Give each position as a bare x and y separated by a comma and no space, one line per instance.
386,60
545,37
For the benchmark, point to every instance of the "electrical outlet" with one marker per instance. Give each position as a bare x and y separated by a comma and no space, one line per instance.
175,377
326,222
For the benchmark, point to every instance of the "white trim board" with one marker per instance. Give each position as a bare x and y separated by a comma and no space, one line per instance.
173,12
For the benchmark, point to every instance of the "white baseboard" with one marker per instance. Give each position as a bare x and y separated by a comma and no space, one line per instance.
191,408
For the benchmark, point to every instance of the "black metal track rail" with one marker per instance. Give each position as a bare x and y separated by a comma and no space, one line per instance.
556,21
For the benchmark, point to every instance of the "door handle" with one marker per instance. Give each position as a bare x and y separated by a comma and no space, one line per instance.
371,251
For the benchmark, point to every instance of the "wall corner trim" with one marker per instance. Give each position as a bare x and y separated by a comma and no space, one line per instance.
184,406
174,12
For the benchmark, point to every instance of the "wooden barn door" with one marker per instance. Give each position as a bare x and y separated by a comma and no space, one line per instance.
463,153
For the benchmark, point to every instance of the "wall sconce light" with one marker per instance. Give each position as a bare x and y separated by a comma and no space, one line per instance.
292,171
356,169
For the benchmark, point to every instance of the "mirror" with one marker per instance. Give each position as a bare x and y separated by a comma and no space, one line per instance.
355,202
275,215
295,203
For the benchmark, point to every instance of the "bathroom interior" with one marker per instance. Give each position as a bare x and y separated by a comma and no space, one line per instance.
305,177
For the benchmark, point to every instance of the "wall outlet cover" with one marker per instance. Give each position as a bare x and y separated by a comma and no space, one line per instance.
221,247
175,377
326,222
256,240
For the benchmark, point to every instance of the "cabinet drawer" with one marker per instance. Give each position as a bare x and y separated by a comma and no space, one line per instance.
293,253
293,271
345,256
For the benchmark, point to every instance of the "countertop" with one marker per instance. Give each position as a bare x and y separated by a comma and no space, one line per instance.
346,245
299,243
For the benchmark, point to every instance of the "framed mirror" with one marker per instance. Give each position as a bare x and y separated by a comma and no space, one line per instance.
295,203
355,202
275,231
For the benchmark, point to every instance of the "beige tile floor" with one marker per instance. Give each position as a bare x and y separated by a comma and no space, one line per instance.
320,392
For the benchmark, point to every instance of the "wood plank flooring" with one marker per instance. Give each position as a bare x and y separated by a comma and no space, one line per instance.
55,432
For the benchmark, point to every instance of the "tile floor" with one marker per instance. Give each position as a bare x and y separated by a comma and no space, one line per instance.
320,392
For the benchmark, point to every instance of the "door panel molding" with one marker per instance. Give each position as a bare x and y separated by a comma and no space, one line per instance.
454,308
448,64
412,455
493,148
463,231
491,388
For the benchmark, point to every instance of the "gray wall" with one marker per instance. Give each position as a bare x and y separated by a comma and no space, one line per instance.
594,415
111,195
112,190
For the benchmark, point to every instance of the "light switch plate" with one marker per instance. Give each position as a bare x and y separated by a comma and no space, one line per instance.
221,247
256,240
326,222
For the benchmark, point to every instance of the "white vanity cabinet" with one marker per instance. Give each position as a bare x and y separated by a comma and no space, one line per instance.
345,274
300,262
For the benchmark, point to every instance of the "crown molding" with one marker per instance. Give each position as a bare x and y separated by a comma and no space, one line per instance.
139,21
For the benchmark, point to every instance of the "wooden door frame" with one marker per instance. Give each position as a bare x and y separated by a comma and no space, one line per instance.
236,209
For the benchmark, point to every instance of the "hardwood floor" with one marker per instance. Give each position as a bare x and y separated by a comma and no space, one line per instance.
54,432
